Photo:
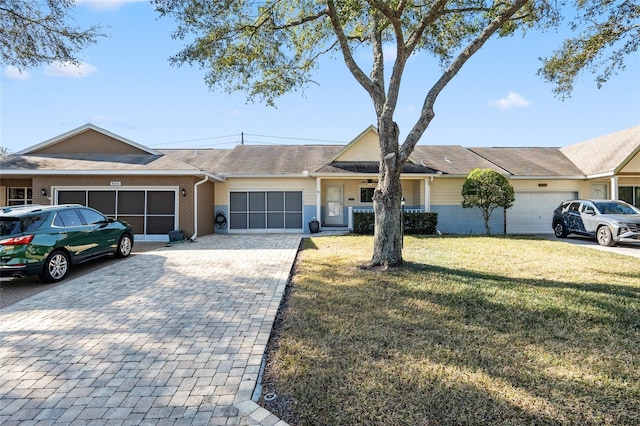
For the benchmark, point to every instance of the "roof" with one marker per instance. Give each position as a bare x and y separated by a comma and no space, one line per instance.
531,161
127,164
108,153
259,160
451,159
369,167
605,154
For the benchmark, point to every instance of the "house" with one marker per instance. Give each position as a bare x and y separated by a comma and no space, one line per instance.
281,188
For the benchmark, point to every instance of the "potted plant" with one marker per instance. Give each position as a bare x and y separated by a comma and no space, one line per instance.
314,226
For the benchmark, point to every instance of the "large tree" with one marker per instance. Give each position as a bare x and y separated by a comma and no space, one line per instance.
271,47
36,32
606,33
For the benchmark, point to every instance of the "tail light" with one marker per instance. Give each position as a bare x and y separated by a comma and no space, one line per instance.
17,241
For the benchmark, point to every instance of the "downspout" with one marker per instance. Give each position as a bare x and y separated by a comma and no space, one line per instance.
195,207
318,200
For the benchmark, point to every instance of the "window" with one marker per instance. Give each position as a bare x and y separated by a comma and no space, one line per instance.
90,217
67,218
19,196
366,195
630,194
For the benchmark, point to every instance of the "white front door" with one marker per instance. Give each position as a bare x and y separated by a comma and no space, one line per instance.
333,214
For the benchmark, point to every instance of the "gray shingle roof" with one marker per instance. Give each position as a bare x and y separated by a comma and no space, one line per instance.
451,159
259,160
605,154
530,161
93,162
368,167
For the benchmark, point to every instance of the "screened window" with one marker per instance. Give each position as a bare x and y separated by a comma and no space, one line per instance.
265,210
149,212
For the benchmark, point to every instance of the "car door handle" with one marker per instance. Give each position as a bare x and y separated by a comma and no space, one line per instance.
63,232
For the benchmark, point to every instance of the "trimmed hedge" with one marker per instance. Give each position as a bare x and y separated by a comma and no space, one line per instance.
414,223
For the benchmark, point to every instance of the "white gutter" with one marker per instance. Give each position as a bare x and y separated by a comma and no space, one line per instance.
113,172
578,177
195,207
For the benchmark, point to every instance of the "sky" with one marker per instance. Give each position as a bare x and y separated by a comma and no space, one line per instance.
127,86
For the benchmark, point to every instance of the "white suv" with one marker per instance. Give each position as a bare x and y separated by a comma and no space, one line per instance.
609,221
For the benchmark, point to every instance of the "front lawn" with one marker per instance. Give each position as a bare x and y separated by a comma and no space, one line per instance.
473,330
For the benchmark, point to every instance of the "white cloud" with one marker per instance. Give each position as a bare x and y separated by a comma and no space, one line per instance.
512,100
67,69
106,4
13,73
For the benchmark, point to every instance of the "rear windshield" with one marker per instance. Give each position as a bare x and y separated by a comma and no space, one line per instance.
19,225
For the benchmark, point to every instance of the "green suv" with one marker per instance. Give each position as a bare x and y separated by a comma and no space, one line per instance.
47,240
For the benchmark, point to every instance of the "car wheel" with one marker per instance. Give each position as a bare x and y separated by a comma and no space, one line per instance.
560,230
604,236
55,267
124,246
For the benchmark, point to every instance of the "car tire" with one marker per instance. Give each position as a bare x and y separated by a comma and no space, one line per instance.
604,236
559,230
125,245
55,267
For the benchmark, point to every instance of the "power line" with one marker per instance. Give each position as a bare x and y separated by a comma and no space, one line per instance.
297,139
242,140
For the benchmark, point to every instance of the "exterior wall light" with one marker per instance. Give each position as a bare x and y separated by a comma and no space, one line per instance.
183,192
43,191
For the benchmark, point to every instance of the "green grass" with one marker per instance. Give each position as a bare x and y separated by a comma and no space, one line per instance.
472,330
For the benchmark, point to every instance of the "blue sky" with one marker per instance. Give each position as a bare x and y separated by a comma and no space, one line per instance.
127,86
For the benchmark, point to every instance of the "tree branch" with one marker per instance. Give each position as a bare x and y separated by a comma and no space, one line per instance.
427,112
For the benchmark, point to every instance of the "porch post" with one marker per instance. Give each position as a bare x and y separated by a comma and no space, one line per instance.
318,200
614,188
427,194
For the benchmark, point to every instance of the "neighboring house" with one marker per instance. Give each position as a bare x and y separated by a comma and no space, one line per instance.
282,188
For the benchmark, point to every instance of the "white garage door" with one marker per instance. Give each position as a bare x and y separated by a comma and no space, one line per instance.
532,211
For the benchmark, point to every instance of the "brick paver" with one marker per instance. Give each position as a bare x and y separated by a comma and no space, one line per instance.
170,336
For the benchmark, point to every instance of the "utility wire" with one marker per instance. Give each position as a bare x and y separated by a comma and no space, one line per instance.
241,140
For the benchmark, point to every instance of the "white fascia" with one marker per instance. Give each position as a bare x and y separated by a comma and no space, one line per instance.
578,177
210,176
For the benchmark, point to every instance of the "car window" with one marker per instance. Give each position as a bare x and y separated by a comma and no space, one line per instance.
18,225
574,207
587,208
9,226
615,208
67,218
91,217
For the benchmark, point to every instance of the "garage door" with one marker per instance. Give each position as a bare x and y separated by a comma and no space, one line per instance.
532,211
265,211
149,212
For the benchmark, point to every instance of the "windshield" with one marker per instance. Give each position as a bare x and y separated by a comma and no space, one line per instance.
613,207
17,225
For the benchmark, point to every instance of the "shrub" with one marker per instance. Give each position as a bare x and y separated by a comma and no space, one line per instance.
414,223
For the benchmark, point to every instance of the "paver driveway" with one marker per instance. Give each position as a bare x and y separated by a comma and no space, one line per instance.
171,336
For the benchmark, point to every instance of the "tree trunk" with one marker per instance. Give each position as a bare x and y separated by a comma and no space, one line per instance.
387,240
486,215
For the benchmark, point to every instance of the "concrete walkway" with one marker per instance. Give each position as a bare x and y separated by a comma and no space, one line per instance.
170,336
